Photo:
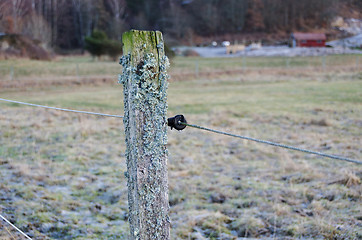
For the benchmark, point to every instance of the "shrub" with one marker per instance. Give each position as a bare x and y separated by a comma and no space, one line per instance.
190,53
98,44
113,49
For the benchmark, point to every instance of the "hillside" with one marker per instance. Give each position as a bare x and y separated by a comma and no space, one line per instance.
63,25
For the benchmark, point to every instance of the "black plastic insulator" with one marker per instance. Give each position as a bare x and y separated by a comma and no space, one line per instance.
176,122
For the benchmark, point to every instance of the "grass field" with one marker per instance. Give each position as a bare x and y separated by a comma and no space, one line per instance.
63,173
84,66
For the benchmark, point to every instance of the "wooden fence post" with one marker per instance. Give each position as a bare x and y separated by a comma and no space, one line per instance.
77,70
197,68
12,73
244,61
357,62
324,62
144,80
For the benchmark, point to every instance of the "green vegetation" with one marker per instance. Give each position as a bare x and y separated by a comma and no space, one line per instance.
63,173
98,44
65,67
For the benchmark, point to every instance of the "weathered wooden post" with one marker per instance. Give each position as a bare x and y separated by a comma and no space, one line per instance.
197,68
77,70
357,62
244,61
144,80
12,73
324,62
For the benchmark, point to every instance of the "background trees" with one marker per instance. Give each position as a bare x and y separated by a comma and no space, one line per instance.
63,24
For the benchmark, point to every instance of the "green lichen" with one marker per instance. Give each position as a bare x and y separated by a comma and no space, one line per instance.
145,85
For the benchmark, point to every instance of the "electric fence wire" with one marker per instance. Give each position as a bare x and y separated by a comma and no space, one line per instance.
61,109
202,128
17,229
274,144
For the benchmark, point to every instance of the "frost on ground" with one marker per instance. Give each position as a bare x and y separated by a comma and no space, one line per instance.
62,174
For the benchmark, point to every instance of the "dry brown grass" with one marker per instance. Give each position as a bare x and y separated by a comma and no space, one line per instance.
63,174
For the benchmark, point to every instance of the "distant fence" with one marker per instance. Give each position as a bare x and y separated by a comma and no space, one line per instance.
228,65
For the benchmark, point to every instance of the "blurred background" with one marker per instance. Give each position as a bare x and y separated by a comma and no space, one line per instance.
63,26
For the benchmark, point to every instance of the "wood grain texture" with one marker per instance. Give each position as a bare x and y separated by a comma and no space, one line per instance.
144,79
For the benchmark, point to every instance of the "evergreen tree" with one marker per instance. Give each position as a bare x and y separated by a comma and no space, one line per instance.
95,44
98,44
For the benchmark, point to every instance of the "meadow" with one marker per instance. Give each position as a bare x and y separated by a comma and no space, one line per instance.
63,173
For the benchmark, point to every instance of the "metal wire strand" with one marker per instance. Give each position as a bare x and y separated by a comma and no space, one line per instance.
17,229
61,109
275,144
202,128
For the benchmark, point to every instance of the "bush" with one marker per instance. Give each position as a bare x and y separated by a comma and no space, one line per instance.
190,53
98,44
113,49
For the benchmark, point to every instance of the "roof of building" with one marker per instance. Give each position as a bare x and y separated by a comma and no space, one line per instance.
309,36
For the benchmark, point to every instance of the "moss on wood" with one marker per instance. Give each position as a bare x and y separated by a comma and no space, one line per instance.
144,79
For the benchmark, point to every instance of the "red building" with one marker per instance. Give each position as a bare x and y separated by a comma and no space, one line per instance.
308,39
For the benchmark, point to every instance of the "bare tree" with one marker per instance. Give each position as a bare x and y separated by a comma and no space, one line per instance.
205,16
233,13
89,22
177,20
117,9
38,28
5,9
70,20
255,18
78,20
54,21
20,8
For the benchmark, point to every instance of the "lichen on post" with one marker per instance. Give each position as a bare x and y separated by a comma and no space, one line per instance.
144,80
